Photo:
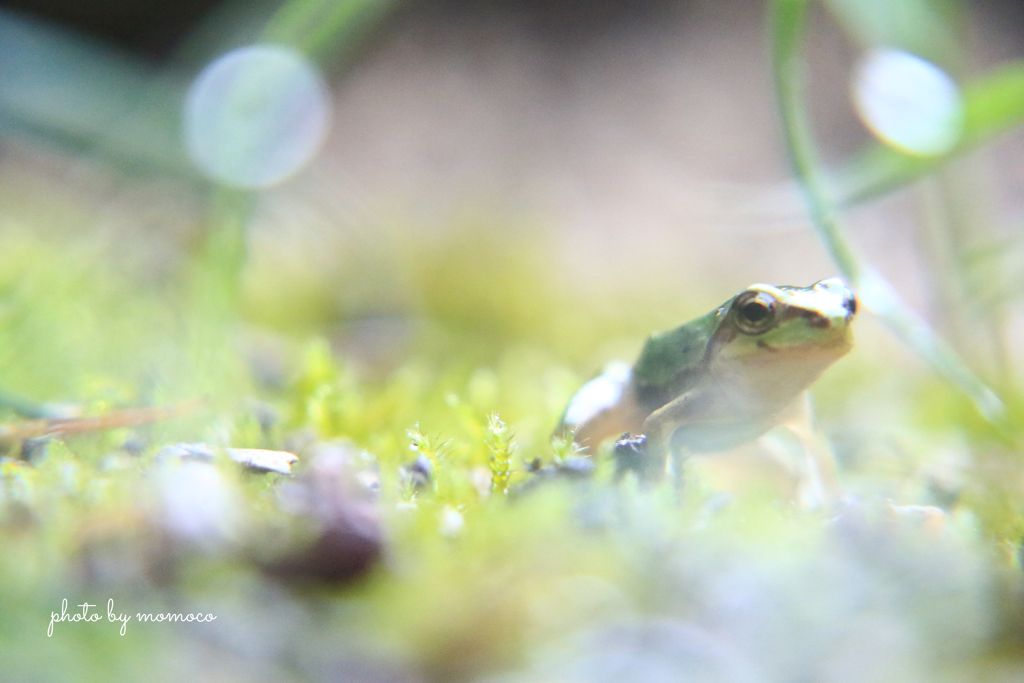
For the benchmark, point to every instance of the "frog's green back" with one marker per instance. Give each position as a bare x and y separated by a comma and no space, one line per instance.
669,358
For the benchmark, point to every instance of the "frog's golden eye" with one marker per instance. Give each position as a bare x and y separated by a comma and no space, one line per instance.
755,312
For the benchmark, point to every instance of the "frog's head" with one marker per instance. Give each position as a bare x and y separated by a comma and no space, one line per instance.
788,327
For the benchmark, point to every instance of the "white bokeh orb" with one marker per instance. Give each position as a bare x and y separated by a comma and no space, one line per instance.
908,102
255,115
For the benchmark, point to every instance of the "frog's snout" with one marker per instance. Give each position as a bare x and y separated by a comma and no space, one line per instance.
837,287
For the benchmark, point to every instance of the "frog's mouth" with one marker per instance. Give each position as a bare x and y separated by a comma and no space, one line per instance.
818,320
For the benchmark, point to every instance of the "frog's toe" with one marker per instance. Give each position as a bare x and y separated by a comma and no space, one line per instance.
631,442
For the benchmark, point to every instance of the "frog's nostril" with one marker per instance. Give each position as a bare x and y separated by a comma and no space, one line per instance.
850,303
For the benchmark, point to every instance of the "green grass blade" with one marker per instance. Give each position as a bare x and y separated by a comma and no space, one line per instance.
993,105
319,26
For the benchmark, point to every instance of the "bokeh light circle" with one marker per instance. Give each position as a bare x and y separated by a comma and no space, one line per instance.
908,102
255,116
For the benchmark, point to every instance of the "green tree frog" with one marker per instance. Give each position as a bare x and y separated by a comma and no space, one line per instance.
718,381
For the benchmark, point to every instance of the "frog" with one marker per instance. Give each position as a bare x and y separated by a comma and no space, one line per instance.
716,382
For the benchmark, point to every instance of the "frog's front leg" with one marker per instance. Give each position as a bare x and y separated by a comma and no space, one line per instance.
647,454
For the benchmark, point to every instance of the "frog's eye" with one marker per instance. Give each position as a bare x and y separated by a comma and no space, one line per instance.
755,312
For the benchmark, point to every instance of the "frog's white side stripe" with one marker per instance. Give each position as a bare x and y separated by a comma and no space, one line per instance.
598,394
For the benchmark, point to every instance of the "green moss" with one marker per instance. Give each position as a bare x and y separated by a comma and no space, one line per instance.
487,568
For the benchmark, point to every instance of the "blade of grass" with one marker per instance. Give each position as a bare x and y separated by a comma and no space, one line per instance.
928,28
789,17
319,26
992,104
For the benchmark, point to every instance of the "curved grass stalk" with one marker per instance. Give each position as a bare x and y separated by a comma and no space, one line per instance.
789,18
316,27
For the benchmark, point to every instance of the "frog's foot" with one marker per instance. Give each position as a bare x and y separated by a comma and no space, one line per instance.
630,453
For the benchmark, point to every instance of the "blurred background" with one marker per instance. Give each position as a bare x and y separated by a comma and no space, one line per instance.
383,220
634,147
